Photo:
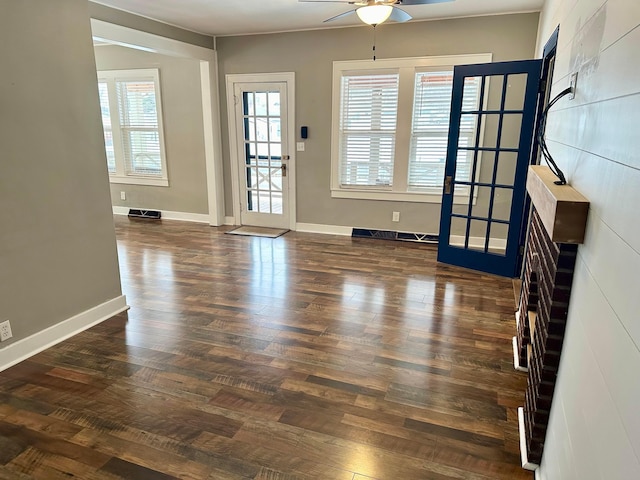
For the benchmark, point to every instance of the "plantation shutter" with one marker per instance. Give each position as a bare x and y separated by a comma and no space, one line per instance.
103,93
430,130
368,116
139,127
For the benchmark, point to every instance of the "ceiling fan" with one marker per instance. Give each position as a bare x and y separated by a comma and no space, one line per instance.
374,12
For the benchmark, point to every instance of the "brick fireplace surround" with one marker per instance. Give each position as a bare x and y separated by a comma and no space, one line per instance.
558,221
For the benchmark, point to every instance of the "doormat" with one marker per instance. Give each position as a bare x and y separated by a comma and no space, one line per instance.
258,231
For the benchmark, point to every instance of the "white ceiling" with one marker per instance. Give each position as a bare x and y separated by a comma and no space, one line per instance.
233,17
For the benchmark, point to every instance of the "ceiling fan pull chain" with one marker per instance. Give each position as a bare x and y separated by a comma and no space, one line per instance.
374,43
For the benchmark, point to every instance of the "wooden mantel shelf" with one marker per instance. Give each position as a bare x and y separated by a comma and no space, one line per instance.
562,209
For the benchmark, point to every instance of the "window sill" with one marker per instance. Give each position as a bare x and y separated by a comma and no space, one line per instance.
415,197
130,180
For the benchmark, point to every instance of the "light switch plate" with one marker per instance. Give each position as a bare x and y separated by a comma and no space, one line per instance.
300,146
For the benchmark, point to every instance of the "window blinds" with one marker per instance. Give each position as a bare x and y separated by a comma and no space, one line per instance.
368,117
139,127
103,92
429,134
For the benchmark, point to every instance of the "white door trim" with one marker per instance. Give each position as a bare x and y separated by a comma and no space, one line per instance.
148,42
289,79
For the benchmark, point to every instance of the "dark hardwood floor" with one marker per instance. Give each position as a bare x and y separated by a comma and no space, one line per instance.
301,357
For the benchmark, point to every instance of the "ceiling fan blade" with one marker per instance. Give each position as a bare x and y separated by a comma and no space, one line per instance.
350,2
342,15
399,15
421,2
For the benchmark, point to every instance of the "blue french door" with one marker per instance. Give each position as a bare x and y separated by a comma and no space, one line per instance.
488,154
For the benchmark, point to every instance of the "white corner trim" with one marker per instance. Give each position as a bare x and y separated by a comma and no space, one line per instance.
324,229
523,443
229,220
27,347
148,42
538,475
168,215
516,357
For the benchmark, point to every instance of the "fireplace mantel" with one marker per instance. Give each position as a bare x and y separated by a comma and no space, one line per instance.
562,209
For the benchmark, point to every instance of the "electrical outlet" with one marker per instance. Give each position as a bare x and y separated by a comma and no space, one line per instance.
5,331
123,195
573,85
395,217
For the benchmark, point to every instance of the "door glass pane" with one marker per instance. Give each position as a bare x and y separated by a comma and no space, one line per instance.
253,201
274,104
498,238
250,129
490,124
482,197
495,84
261,103
248,103
471,93
502,203
276,203
477,235
274,129
458,229
252,177
460,208
276,150
262,130
263,178
276,180
511,130
515,91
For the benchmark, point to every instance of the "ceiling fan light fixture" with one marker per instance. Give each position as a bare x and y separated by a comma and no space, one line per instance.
374,14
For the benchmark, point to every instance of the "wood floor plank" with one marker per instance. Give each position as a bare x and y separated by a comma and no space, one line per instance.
297,358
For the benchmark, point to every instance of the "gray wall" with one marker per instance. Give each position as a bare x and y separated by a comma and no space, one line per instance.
310,55
57,243
183,132
594,428
119,17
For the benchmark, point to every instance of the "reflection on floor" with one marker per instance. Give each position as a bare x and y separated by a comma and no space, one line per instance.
300,357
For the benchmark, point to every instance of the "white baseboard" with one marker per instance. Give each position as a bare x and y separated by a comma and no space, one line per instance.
516,357
326,229
229,220
36,343
523,443
168,215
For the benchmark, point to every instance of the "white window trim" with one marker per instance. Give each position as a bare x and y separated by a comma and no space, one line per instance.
120,177
398,191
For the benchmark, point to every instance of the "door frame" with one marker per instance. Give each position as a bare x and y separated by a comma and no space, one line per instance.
288,78
546,80
208,63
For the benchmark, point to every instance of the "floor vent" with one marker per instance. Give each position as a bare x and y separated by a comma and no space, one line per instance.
391,235
149,214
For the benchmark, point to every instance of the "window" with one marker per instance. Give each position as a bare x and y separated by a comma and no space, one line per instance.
369,106
132,122
391,126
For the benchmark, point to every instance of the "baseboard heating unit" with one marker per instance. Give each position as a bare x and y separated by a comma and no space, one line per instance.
148,214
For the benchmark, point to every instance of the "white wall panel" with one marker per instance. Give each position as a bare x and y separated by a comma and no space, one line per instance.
594,428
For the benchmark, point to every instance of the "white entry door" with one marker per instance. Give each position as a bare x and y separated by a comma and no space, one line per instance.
264,170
